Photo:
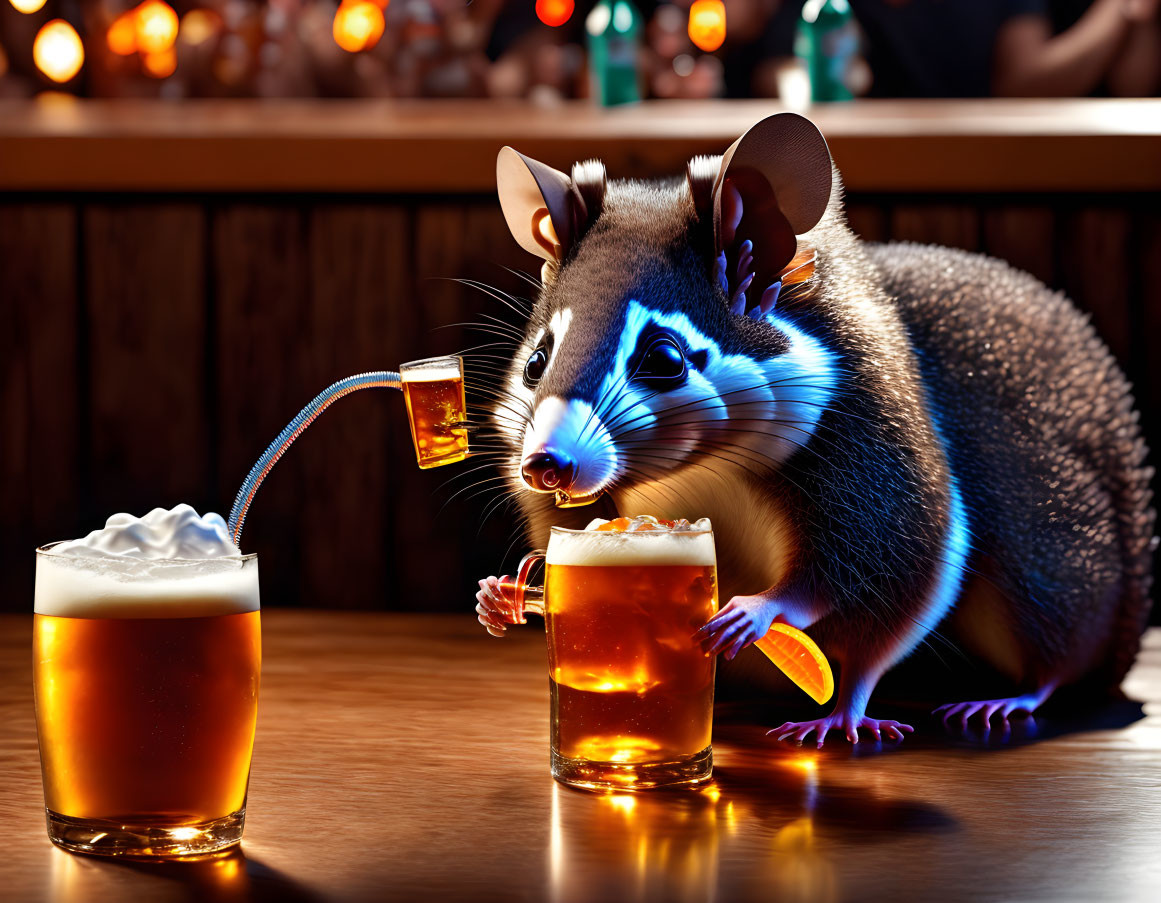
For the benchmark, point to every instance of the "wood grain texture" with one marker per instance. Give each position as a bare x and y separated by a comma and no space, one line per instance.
211,321
1096,271
867,220
441,529
361,317
450,146
1148,387
405,757
149,430
953,225
40,407
264,353
1024,235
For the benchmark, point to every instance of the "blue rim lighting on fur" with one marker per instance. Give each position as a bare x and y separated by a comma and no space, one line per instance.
781,417
956,550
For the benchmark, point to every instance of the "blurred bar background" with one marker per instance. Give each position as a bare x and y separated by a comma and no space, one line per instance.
253,200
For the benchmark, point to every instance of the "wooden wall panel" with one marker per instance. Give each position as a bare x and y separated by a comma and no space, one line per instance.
1024,236
1095,270
151,350
264,350
40,486
1148,378
459,241
361,317
954,225
868,220
149,425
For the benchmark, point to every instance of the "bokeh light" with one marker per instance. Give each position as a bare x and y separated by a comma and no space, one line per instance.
57,51
198,26
358,25
707,24
26,6
160,64
554,12
122,34
156,26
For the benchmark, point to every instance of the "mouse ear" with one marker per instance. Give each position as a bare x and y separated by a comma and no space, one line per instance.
546,210
773,185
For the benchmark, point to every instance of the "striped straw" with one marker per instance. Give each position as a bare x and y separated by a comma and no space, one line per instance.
379,379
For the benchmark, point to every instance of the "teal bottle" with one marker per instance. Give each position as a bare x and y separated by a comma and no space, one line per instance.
613,32
827,43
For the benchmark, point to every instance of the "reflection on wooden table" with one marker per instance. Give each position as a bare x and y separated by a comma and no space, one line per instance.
405,757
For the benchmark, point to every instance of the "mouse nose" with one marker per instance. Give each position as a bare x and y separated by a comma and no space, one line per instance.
548,471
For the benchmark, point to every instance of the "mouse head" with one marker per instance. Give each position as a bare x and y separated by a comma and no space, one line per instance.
656,336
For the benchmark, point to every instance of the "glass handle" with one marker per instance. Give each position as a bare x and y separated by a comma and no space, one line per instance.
526,598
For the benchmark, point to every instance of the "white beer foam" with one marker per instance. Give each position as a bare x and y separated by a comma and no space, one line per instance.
653,547
168,564
177,533
434,373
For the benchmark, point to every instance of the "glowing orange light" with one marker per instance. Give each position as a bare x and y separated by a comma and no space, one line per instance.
156,26
57,50
198,26
160,64
554,12
26,6
707,24
122,34
358,26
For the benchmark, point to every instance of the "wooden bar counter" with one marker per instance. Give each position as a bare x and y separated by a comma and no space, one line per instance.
449,147
405,758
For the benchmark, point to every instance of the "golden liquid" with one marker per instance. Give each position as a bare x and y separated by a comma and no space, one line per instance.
148,721
433,406
628,683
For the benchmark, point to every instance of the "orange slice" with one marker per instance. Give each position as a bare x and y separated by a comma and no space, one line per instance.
800,659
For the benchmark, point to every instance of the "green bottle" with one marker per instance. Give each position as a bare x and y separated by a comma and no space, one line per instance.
827,43
613,31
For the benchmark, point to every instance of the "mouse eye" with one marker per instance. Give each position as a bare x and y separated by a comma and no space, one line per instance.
662,365
534,368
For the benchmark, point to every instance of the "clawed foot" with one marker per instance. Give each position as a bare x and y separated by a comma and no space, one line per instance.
987,709
842,721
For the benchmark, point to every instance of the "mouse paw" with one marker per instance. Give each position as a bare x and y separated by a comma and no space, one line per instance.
494,608
846,722
987,709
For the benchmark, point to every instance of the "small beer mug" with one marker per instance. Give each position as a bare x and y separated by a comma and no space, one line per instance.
631,692
434,392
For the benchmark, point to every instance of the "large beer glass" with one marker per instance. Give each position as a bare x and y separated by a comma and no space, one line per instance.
146,679
631,692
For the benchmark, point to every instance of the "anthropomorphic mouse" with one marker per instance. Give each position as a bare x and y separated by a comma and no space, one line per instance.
880,434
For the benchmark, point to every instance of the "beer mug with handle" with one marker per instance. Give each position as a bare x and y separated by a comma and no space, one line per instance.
631,691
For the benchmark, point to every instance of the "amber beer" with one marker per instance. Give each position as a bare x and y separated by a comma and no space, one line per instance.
632,693
434,392
146,680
